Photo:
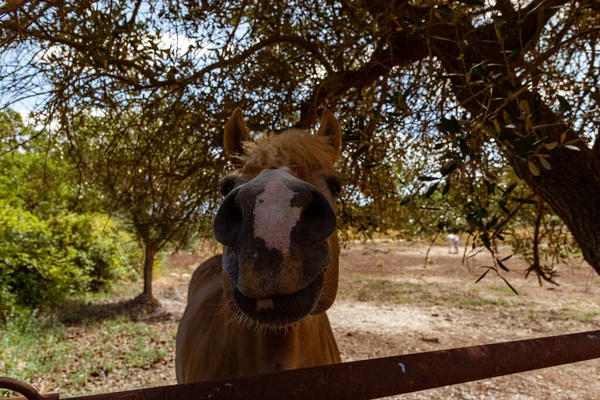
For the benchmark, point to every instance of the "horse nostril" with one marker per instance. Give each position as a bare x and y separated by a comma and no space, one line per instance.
228,223
303,197
318,220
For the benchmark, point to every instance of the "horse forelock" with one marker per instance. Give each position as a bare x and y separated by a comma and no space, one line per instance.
294,148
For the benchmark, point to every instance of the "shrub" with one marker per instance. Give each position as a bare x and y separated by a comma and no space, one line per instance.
95,246
42,263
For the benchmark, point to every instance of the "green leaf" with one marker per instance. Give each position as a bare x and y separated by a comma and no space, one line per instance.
544,162
501,265
510,286
472,2
490,176
497,126
509,189
483,275
525,145
464,147
448,125
477,67
448,76
446,187
535,170
564,104
570,147
491,223
522,200
431,190
427,178
491,186
448,168
441,38
502,205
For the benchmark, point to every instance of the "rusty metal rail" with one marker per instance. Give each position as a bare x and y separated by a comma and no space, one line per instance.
370,379
25,389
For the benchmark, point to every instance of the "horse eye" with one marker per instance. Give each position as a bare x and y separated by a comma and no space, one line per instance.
229,183
335,185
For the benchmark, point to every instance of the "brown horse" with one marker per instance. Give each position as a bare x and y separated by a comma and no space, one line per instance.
260,306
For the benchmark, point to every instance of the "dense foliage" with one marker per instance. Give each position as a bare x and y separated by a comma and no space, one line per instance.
44,262
51,248
479,116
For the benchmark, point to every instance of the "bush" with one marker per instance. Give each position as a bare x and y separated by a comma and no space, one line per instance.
95,246
42,263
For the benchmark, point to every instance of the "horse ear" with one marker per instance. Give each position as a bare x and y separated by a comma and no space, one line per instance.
235,134
331,127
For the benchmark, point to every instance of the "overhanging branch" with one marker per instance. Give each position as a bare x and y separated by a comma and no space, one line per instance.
405,46
12,6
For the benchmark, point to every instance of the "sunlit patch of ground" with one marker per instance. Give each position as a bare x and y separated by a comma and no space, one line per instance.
390,302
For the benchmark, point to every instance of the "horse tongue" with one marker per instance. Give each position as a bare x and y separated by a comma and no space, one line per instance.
264,304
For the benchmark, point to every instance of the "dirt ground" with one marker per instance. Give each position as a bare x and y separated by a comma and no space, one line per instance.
438,306
391,303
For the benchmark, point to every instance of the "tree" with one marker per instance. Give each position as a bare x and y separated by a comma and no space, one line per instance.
456,91
155,182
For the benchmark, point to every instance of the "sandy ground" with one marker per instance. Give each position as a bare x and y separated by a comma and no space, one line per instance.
391,302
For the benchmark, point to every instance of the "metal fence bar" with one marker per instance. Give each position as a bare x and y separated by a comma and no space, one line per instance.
370,379
381,377
25,389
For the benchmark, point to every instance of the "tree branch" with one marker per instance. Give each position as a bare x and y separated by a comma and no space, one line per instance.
276,39
505,7
12,6
536,266
134,14
406,47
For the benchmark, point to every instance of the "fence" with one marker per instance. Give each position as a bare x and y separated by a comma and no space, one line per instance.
370,379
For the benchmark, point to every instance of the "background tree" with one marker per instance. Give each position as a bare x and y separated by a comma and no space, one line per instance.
155,182
435,97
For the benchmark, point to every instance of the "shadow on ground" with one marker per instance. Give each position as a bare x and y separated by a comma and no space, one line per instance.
137,309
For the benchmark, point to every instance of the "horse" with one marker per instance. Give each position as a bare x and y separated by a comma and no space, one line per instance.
453,243
260,306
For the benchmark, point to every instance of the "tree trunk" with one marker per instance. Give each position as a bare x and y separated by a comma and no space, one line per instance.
150,249
573,191
572,185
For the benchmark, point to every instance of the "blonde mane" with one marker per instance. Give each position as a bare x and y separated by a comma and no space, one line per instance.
293,148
